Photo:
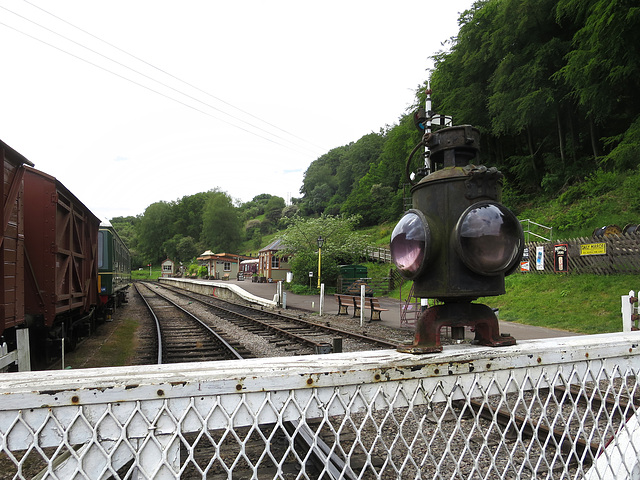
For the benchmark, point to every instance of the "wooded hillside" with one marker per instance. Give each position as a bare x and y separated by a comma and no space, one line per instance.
553,86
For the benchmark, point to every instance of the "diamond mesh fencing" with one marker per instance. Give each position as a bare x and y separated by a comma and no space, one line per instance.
565,408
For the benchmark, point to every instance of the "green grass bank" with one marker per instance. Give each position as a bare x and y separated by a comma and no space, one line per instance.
578,303
586,304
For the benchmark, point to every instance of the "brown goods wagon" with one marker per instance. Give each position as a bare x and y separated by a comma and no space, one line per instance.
12,239
61,248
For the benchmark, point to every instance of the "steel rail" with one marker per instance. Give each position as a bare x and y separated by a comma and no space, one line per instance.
155,319
279,331
575,448
346,333
318,326
224,343
336,467
624,406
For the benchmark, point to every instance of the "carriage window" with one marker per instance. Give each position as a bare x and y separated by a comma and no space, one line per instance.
102,251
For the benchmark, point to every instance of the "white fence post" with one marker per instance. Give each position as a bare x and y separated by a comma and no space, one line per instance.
24,353
362,305
278,296
629,311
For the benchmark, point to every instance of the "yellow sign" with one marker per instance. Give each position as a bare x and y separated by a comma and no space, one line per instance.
593,249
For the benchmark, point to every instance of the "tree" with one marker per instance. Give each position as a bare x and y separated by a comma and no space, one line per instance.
342,245
126,228
320,181
522,96
377,197
187,214
222,228
153,231
357,160
186,249
603,68
273,209
180,248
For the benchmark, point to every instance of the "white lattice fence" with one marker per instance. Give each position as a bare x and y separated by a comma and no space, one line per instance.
377,415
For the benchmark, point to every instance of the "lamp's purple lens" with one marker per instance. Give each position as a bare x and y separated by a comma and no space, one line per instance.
409,244
489,239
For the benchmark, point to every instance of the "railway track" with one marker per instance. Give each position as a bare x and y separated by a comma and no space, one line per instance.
559,428
288,331
583,420
181,336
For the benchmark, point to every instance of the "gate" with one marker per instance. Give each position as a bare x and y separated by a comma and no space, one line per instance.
560,408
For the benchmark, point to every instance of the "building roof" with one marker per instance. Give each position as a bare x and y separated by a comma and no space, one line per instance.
208,255
274,246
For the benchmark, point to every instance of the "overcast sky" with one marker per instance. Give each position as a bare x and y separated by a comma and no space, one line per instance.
132,102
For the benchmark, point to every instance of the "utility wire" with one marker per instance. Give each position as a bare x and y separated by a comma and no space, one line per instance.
152,79
143,86
146,76
173,76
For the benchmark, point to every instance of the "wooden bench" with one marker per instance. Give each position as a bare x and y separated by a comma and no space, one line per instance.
344,302
376,309
371,303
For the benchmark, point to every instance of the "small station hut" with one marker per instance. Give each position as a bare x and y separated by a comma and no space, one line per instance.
168,268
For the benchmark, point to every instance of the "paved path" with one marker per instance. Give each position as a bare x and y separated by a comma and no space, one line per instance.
390,318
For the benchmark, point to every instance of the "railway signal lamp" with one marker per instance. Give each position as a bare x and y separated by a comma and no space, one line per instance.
458,241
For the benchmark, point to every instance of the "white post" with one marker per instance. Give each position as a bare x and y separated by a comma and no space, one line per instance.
24,353
361,305
627,310
279,293
321,298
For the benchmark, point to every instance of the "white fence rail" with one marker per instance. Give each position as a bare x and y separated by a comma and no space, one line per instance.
379,254
20,356
541,232
384,414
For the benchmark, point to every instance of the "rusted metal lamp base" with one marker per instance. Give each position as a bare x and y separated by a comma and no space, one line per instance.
456,315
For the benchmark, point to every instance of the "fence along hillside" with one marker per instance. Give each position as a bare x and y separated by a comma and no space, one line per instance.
622,255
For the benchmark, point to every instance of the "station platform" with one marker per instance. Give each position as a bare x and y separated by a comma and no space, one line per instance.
390,318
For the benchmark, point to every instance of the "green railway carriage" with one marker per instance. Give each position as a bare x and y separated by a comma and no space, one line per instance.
114,266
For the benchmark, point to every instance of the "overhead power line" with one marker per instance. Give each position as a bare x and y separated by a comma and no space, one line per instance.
157,81
140,84
173,76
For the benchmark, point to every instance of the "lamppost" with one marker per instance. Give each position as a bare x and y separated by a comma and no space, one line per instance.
320,243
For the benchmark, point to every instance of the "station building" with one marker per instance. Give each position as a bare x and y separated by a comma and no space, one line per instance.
221,266
271,265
